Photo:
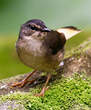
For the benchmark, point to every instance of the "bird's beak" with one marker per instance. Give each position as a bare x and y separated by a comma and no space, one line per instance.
46,29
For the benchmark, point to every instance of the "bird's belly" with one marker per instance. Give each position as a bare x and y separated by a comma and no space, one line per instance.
38,62
35,58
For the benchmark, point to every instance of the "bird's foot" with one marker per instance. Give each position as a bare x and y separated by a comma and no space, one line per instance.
22,83
25,81
19,84
42,92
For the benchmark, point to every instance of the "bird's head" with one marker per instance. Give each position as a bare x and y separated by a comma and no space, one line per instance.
33,27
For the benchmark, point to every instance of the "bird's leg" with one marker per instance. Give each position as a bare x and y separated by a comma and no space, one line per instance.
23,82
45,86
31,81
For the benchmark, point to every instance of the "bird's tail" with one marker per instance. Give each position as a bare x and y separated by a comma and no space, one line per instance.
69,31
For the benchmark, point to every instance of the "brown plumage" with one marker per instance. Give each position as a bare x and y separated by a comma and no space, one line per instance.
41,48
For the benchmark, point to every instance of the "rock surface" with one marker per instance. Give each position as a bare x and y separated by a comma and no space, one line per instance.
11,105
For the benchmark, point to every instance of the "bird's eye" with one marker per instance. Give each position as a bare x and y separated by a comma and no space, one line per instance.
33,28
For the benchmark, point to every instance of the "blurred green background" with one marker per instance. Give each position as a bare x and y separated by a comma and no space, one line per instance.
55,13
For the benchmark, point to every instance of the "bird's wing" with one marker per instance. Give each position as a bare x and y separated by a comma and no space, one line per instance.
69,31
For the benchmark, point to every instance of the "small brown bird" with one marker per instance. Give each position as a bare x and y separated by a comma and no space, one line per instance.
41,48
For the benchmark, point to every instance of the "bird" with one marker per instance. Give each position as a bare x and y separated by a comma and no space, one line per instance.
41,48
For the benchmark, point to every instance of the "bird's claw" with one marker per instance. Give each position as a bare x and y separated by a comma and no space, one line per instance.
19,84
42,92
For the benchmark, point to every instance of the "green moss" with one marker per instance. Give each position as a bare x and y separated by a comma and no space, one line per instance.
64,94
78,50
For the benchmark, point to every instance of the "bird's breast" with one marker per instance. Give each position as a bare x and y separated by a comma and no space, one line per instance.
33,54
